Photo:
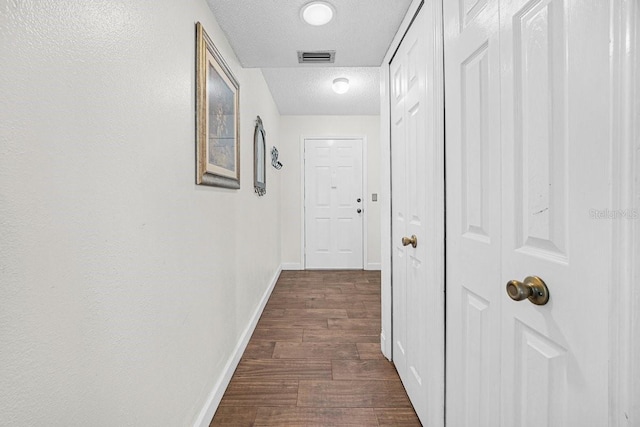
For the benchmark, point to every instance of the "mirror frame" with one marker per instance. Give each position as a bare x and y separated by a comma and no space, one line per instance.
259,154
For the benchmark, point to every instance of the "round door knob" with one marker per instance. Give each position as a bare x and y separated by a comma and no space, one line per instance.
413,241
359,211
359,200
533,288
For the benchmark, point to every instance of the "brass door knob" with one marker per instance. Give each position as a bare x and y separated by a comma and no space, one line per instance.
533,288
413,241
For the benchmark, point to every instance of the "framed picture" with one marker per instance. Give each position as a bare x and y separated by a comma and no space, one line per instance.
259,150
217,117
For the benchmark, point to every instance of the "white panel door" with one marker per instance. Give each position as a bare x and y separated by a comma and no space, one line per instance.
556,170
417,210
528,160
333,203
473,212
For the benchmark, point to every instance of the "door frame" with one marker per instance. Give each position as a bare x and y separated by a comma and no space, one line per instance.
624,324
365,198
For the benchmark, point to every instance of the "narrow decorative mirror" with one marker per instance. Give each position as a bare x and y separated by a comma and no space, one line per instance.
259,149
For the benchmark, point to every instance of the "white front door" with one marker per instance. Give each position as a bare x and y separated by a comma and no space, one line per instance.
528,162
333,203
418,210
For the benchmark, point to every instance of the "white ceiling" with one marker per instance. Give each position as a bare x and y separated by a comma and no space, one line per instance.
268,33
308,92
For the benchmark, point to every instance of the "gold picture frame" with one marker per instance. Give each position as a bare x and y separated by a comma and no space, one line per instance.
217,117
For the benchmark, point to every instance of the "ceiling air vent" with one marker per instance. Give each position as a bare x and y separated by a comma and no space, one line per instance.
317,57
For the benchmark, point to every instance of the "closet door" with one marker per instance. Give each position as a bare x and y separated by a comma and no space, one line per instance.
528,167
556,172
418,214
474,289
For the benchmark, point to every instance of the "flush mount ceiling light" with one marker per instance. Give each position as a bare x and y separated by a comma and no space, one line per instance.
341,85
317,13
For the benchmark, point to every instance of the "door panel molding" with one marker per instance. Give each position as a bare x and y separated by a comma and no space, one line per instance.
546,386
541,137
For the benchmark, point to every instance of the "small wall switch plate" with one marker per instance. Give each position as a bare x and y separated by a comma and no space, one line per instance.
374,197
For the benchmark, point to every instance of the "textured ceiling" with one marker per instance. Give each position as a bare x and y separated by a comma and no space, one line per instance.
268,33
308,92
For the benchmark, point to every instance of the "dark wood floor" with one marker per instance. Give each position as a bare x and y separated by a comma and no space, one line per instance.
314,358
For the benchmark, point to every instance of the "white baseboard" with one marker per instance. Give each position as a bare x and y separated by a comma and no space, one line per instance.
211,405
374,266
292,266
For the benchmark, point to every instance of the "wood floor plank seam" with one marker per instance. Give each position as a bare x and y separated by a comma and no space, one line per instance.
314,358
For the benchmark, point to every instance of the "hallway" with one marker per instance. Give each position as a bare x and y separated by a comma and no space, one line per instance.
314,358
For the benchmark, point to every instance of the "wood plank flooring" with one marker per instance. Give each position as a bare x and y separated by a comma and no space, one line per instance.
314,358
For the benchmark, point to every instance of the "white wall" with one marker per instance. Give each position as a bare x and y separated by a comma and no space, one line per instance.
292,129
124,287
